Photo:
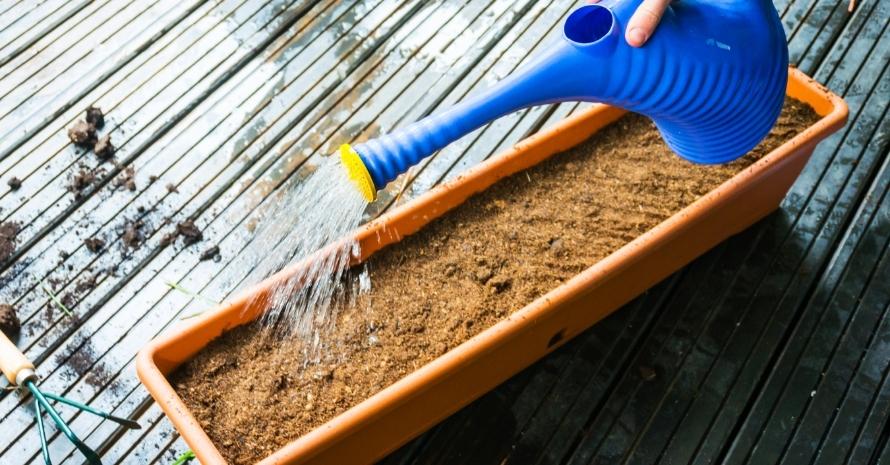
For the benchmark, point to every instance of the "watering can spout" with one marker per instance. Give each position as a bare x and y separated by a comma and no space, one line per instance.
712,78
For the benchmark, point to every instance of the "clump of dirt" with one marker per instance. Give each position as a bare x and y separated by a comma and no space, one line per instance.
83,134
189,232
171,188
210,254
103,148
80,181
9,322
95,244
132,236
87,283
460,274
167,239
14,183
95,117
9,232
127,179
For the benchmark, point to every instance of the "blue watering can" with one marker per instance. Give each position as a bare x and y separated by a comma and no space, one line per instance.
712,77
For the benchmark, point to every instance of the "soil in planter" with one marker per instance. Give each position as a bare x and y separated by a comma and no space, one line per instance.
458,276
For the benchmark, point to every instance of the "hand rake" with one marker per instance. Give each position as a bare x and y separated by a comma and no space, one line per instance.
20,372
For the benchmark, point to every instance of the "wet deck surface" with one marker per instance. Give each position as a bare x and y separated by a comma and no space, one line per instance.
775,346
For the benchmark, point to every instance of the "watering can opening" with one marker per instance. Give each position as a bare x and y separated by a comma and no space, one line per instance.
589,24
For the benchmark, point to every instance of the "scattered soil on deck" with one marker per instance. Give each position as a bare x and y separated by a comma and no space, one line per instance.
127,179
82,134
81,180
95,117
132,236
210,254
167,239
459,275
9,232
189,232
95,244
86,284
104,149
14,183
9,322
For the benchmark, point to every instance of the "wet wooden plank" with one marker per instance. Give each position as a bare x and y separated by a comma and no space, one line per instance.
83,223
867,124
47,209
845,343
50,342
76,242
22,26
26,80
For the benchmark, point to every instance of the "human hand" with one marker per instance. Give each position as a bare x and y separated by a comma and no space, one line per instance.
644,21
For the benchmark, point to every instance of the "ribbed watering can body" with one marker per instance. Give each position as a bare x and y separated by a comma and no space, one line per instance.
712,78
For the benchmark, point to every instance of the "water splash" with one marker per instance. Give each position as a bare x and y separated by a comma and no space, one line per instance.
319,213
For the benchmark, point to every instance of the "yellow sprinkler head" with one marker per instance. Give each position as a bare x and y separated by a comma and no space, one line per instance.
358,172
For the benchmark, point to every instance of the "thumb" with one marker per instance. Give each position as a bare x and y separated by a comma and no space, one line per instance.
644,21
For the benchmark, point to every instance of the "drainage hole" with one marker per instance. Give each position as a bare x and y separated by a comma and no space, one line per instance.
559,336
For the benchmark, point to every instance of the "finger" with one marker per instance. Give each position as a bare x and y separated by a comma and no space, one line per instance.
644,21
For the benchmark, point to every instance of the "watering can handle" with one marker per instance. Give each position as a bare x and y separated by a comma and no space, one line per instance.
12,361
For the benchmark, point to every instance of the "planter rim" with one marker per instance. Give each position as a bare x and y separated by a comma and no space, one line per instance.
832,109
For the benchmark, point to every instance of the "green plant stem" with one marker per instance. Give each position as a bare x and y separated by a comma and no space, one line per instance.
55,300
191,294
184,458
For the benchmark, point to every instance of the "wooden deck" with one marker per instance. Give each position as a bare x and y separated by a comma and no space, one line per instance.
774,347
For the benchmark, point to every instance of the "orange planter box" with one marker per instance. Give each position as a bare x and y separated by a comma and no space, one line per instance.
405,409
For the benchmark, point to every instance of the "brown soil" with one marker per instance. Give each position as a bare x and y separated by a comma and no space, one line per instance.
459,275
83,134
9,232
127,179
189,232
95,244
104,148
167,239
80,181
9,322
85,284
132,234
14,183
95,117
210,254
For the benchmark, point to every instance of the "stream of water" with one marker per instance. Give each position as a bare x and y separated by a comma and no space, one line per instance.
321,211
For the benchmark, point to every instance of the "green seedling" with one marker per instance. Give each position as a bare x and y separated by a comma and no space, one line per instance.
184,458
55,300
193,295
